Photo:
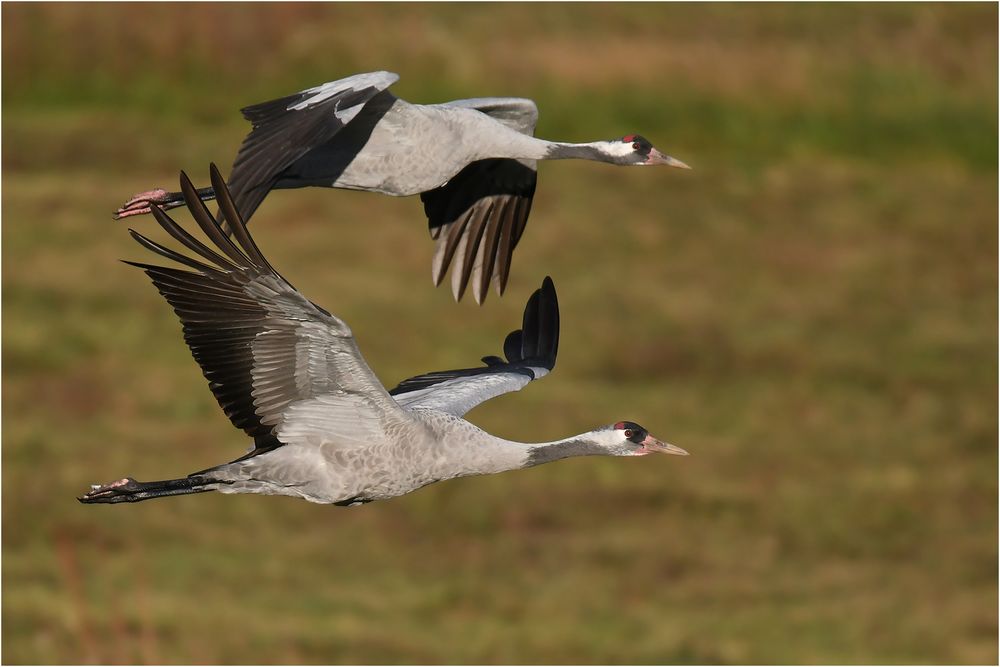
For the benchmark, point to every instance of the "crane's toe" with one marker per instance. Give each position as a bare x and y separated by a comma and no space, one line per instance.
103,492
139,204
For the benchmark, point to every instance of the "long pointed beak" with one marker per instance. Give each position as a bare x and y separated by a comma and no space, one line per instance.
656,157
651,444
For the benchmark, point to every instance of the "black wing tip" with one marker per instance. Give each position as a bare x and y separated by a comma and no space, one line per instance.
546,294
541,318
536,343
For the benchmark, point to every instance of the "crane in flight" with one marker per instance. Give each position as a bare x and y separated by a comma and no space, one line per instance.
473,163
289,374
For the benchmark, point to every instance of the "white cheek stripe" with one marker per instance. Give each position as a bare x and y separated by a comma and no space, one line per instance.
620,148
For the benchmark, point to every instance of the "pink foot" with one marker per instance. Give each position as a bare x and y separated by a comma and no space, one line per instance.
140,203
109,489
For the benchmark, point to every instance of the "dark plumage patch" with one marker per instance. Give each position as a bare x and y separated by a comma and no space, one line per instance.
281,136
638,433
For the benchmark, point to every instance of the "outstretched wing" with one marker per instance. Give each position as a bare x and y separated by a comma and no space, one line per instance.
478,216
282,368
530,351
287,128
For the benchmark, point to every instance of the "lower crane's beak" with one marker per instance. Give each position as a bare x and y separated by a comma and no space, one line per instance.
651,444
656,157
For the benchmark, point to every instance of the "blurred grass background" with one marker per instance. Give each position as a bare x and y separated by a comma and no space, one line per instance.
812,312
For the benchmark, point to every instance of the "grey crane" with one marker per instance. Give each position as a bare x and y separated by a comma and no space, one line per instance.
473,163
290,375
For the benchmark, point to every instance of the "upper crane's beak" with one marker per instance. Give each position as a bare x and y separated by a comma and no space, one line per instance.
656,157
651,444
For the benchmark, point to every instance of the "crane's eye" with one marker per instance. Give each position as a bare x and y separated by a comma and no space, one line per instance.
628,433
636,145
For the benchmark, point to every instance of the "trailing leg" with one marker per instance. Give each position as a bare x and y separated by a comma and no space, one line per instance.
128,490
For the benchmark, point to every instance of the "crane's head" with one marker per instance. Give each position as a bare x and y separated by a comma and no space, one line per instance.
619,439
630,439
635,149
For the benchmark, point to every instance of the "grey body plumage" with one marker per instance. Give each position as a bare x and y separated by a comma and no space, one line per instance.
290,375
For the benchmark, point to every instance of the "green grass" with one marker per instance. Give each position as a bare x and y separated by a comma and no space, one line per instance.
811,312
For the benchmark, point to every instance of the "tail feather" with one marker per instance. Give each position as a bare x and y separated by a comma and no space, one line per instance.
128,490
